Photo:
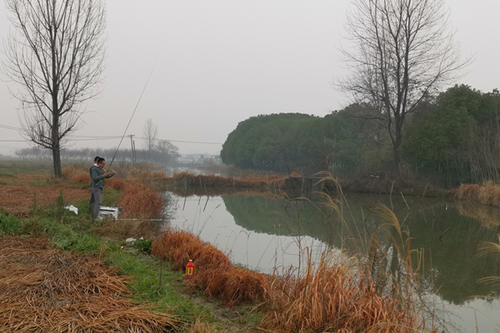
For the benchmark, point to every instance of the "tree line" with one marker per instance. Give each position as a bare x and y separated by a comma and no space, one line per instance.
163,153
451,138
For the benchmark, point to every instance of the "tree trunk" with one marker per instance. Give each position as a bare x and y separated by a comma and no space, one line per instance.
397,160
56,148
56,158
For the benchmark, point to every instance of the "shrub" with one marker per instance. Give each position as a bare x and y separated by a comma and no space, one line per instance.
140,201
214,272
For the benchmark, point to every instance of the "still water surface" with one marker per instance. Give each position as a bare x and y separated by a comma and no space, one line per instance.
264,233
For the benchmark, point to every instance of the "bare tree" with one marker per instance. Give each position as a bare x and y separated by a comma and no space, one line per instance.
402,53
151,134
56,56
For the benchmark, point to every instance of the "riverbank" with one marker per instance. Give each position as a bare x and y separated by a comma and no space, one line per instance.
159,283
148,286
294,185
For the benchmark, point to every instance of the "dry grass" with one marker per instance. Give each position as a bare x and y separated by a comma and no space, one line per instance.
214,272
140,201
487,193
116,183
192,180
120,230
46,290
24,193
328,298
146,175
333,298
78,175
199,327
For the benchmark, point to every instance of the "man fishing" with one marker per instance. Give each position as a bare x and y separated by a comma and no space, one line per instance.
92,199
97,176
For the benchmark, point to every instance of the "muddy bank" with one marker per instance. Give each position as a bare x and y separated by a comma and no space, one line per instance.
293,186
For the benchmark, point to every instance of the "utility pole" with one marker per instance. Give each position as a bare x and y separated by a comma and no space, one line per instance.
132,148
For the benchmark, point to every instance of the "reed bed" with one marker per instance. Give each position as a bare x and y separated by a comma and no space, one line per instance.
334,298
75,174
214,272
116,183
146,175
328,298
46,290
488,193
140,201
189,179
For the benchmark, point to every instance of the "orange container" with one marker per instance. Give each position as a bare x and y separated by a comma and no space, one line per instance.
189,269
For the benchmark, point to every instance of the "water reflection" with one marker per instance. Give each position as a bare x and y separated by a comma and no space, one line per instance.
260,232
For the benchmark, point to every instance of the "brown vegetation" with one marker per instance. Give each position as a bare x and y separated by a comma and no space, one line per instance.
189,179
214,272
487,193
146,175
20,194
75,174
47,290
78,175
125,229
332,298
140,201
185,183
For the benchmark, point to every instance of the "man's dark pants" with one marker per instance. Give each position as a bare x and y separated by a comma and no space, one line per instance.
95,201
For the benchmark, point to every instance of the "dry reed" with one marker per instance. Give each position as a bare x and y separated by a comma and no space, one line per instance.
189,179
75,174
215,274
140,201
488,193
333,298
46,290
146,175
115,183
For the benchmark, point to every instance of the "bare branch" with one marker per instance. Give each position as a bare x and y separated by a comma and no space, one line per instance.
402,53
57,58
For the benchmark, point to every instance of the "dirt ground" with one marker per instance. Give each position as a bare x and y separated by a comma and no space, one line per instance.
19,194
46,290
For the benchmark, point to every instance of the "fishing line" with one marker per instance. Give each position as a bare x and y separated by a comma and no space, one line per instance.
132,116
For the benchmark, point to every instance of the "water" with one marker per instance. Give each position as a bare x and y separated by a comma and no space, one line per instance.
262,233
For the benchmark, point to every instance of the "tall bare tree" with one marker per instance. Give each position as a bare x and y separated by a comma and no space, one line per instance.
56,56
402,53
151,134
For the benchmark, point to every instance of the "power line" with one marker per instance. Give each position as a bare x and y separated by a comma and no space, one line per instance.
11,127
13,141
182,141
82,138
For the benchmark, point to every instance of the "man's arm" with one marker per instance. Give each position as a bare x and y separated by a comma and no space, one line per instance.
109,174
94,174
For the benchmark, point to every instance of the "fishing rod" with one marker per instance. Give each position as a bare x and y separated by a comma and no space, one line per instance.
132,116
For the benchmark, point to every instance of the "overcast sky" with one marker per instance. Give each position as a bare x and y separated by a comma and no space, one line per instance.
216,63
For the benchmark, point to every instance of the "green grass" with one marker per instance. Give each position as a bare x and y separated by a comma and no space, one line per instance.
10,168
146,286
